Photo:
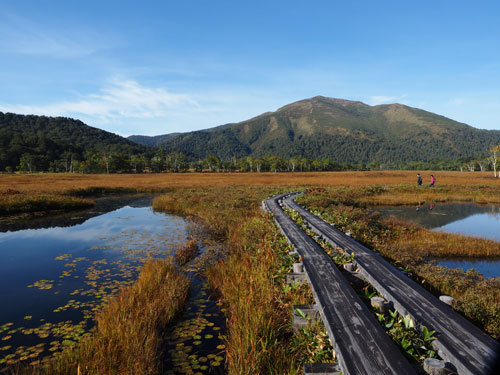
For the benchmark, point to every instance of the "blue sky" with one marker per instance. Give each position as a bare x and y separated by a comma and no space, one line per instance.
156,67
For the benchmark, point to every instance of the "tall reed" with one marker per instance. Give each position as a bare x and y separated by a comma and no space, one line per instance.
128,334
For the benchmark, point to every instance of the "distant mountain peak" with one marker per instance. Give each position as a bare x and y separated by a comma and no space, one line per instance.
321,101
344,130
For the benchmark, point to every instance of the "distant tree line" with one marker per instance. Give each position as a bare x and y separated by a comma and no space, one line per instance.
162,161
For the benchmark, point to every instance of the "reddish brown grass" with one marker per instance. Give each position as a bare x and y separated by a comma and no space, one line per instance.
58,183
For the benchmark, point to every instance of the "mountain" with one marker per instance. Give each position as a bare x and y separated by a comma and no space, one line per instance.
346,131
152,141
342,130
48,138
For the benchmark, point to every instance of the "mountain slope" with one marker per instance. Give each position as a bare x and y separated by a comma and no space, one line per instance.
48,138
151,141
346,131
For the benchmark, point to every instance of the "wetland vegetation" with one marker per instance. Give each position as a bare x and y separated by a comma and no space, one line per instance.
251,281
245,278
415,344
57,278
413,247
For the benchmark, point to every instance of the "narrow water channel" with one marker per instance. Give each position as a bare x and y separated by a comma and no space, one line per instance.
55,272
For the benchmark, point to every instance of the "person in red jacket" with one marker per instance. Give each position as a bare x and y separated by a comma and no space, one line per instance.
433,180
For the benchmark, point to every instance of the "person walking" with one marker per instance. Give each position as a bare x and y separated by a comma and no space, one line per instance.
433,180
419,179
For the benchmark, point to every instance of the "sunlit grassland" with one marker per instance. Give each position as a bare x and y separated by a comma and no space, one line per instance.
414,195
12,202
250,279
414,247
45,191
61,183
128,334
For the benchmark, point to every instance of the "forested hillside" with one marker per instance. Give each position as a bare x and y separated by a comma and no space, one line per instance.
151,141
343,130
44,143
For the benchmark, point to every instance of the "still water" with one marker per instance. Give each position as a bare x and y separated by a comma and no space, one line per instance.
467,219
53,279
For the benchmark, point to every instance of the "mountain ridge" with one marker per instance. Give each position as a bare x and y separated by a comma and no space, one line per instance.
347,131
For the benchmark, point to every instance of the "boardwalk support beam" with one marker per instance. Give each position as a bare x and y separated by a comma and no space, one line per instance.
447,299
436,366
295,277
298,268
303,315
380,303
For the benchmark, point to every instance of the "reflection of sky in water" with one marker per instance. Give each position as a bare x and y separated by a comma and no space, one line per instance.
29,255
489,268
483,225
467,219
141,219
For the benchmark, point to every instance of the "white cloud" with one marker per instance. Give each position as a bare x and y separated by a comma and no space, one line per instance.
117,100
382,99
129,107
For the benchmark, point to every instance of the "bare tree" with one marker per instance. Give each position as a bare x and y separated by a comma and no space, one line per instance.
106,159
482,164
495,154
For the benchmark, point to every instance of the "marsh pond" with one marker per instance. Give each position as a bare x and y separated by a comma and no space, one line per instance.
55,273
468,219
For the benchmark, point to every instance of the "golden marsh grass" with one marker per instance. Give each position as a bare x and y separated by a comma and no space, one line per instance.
128,334
249,280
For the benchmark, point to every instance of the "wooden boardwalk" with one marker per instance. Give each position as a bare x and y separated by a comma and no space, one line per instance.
361,345
459,342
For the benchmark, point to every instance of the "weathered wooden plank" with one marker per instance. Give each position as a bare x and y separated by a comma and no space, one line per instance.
321,369
361,344
468,348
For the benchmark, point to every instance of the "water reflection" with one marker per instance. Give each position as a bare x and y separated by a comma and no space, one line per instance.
53,279
68,219
467,219
487,267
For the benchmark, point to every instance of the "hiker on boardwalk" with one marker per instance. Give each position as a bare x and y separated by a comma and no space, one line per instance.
419,179
433,180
